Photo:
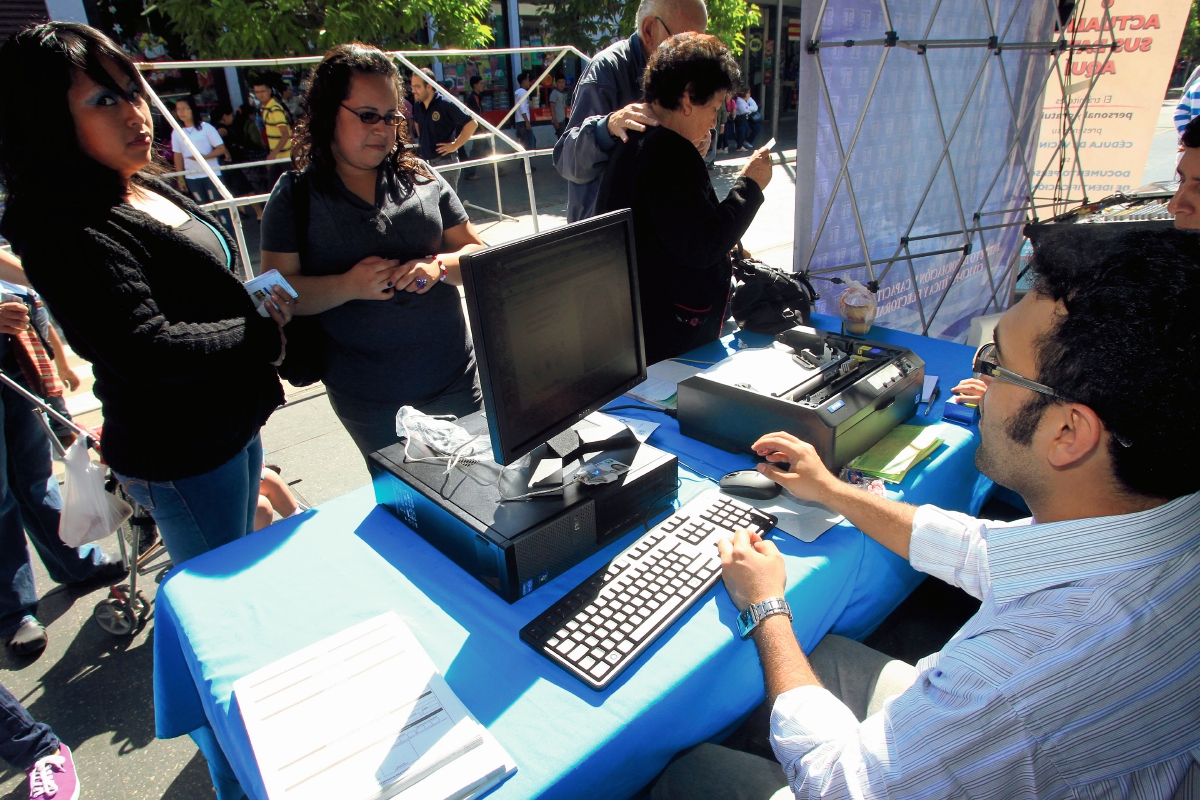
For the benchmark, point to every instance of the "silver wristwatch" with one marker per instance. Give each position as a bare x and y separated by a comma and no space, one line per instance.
749,619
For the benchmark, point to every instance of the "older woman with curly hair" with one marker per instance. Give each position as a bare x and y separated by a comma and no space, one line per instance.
384,233
684,234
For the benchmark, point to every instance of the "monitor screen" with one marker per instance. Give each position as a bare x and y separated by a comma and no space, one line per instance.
557,328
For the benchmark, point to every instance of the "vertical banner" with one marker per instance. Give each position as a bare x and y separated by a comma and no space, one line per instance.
1113,96
922,145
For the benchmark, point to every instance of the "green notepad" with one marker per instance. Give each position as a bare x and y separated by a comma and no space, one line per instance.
896,453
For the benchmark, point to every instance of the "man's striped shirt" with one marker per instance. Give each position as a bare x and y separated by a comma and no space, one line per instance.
1079,677
1189,106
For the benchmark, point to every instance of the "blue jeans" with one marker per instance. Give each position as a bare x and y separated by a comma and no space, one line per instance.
22,739
525,136
197,514
30,502
203,191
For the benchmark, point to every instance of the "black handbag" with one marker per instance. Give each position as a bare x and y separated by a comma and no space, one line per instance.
769,300
304,362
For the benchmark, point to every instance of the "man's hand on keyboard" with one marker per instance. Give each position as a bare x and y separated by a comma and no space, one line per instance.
800,472
752,569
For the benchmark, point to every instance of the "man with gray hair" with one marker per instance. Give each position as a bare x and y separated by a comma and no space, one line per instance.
608,99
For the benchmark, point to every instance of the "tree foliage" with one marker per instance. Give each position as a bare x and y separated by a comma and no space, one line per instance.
279,28
592,25
1189,48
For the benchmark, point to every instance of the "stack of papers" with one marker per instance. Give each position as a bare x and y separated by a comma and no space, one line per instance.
662,382
365,715
895,454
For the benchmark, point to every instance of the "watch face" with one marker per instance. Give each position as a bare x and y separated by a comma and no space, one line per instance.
745,622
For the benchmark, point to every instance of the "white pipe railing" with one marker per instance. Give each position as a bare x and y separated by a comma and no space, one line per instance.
403,56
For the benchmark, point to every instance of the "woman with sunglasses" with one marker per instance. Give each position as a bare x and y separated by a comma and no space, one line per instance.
380,266
140,279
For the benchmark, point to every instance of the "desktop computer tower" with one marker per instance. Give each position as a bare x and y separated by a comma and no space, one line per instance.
515,547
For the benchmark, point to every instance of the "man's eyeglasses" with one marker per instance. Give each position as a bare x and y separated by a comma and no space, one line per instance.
985,364
665,28
370,117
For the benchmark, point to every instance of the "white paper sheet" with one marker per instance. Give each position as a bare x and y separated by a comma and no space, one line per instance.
927,388
798,518
640,427
364,714
662,381
769,371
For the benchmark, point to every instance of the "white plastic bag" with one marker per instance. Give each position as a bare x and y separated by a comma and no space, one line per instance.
449,441
89,513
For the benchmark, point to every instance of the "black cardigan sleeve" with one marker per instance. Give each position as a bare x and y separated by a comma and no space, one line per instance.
676,190
94,287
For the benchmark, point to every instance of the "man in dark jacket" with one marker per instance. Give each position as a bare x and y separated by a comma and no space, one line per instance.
608,99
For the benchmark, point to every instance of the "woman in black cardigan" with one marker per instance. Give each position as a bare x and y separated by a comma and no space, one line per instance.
684,235
140,279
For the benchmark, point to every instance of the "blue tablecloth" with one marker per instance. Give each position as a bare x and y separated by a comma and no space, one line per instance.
242,606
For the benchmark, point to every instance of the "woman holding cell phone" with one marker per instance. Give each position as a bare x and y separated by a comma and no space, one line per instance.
382,234
140,280
684,234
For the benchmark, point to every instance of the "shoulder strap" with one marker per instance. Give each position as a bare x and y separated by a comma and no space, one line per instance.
301,200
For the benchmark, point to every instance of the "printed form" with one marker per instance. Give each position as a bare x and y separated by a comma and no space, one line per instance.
364,714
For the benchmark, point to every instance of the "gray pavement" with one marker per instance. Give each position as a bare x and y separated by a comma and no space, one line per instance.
96,690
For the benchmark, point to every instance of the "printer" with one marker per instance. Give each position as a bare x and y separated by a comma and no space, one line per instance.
839,393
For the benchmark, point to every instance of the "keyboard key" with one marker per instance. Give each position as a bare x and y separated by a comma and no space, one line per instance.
552,641
586,663
608,644
578,653
625,627
577,636
572,625
591,641
600,670
648,627
614,656
597,653
625,646
537,632
565,646
588,627
634,619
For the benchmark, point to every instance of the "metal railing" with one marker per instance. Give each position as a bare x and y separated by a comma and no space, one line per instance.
404,57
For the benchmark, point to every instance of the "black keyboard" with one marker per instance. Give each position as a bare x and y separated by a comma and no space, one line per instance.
596,630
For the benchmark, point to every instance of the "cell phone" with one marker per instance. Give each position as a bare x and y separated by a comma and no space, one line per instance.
769,145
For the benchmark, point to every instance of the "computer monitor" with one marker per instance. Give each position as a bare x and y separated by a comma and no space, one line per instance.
557,327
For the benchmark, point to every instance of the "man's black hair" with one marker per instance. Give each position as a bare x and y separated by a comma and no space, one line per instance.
1124,347
474,80
1191,133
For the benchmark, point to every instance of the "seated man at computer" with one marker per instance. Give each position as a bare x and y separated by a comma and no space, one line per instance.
1079,675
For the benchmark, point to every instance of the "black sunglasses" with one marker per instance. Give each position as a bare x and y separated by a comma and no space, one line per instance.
370,117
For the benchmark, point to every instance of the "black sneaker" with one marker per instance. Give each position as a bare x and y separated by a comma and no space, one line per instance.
30,638
107,573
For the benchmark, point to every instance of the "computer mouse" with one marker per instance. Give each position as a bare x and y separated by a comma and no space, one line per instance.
750,484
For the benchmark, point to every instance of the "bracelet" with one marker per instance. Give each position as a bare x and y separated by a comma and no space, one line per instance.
442,267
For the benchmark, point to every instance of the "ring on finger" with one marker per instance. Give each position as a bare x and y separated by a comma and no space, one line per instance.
422,283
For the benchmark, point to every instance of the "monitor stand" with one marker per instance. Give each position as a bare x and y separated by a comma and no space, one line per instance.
593,435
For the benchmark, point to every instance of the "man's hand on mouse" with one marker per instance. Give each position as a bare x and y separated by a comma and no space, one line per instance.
752,568
802,473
